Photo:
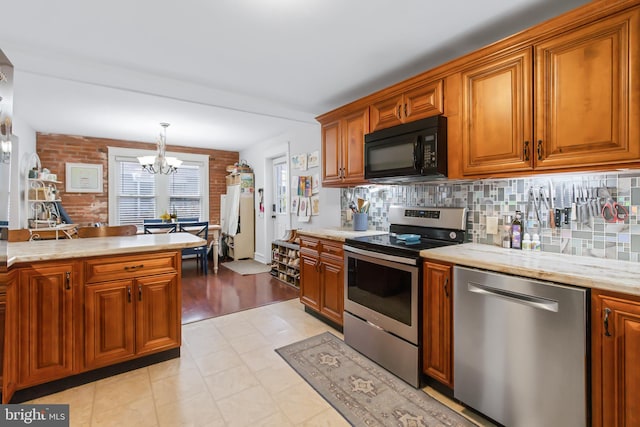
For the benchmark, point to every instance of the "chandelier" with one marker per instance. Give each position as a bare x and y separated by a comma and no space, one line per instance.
160,163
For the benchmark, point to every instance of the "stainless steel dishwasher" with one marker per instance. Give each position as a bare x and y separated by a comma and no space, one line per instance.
520,349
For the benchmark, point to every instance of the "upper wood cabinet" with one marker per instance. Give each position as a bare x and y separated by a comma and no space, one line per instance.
343,147
410,104
587,92
615,343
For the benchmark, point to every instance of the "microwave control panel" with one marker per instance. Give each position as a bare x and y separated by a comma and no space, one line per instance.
429,152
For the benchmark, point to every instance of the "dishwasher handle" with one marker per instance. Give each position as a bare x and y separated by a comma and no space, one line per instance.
528,300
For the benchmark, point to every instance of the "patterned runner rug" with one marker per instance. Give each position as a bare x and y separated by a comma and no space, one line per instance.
363,392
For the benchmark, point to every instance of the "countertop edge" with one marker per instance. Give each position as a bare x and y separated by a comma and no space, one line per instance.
51,250
337,234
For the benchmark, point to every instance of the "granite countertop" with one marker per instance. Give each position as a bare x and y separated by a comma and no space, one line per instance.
337,234
47,250
588,272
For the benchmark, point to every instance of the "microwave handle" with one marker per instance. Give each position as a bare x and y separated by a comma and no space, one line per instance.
417,154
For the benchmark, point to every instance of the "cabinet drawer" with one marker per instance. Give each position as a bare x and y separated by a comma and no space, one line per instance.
333,249
121,267
309,243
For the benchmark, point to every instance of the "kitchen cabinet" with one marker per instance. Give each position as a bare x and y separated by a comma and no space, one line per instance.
343,147
583,94
410,104
132,308
322,277
8,334
47,325
615,343
437,321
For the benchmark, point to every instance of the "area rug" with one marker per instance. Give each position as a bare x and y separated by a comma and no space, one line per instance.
363,392
247,266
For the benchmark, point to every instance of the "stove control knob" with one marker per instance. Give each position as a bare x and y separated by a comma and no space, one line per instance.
453,235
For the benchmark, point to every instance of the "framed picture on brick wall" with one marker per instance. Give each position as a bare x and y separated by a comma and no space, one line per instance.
83,178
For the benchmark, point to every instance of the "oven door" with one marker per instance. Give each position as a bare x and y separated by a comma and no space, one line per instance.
383,291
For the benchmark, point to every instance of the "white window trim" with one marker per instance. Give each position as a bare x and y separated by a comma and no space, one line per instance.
115,152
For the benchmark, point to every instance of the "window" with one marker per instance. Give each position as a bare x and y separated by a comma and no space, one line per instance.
135,194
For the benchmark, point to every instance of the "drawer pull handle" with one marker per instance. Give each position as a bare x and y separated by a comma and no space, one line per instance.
68,281
133,267
607,312
446,283
139,292
129,293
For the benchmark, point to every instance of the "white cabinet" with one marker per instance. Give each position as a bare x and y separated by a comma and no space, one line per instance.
237,220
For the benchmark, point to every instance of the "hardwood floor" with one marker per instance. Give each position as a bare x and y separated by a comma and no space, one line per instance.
212,295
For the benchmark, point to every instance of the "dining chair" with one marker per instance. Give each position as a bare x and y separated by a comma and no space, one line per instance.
115,230
188,219
165,227
200,229
152,221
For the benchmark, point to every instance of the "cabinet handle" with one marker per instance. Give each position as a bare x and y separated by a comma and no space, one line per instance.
539,149
139,292
129,293
405,110
317,265
446,291
607,312
526,150
68,281
398,113
133,267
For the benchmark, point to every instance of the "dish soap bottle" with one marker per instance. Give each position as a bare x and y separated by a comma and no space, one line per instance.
516,231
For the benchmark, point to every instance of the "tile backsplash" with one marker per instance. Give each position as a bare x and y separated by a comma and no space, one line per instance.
586,233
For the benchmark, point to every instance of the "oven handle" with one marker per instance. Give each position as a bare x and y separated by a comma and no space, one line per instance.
377,255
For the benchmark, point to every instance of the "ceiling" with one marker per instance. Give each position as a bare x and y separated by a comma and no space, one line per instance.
228,74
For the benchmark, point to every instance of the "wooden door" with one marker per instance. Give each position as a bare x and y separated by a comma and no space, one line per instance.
332,288
331,153
109,323
46,341
423,101
437,322
588,95
354,127
615,360
157,313
496,115
386,112
309,281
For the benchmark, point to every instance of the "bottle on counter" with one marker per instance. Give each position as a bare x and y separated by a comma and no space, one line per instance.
506,232
516,231
526,242
535,243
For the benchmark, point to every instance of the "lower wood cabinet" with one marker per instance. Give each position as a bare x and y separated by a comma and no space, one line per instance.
322,277
131,317
48,303
615,357
437,322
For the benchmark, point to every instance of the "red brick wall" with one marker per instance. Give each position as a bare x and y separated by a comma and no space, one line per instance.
55,150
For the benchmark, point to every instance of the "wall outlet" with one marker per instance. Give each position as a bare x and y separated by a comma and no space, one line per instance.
492,225
349,214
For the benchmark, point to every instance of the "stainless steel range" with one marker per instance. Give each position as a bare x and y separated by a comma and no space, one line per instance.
383,285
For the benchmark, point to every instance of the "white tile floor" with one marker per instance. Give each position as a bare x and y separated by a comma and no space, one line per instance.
227,375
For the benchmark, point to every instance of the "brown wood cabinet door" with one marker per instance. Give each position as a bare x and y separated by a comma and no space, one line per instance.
10,335
386,112
423,101
437,322
588,95
496,115
331,153
109,323
332,288
46,295
615,361
309,282
157,313
354,127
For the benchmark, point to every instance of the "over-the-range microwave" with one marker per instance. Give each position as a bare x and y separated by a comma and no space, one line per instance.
409,152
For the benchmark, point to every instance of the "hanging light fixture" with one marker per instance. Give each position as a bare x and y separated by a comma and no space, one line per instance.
160,163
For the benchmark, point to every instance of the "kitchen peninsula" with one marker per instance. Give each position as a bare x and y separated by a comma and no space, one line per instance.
80,305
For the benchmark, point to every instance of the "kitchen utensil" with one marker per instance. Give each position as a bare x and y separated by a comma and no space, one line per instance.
352,206
550,205
612,211
365,207
360,203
